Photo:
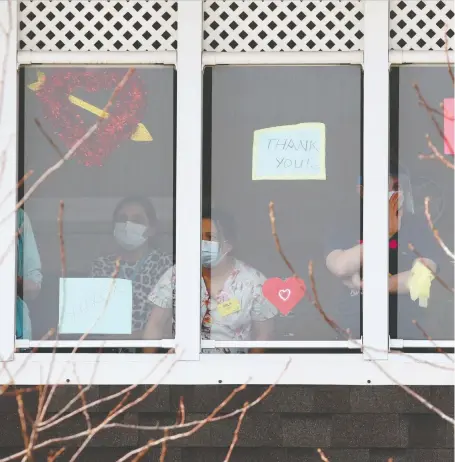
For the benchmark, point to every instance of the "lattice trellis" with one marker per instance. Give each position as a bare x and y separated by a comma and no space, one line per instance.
70,25
421,25
299,25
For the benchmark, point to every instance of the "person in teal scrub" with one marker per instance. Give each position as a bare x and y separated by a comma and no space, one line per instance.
29,276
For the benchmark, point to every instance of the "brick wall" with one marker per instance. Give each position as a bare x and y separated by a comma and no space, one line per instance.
352,424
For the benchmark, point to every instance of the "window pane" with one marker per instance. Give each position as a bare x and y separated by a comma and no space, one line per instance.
117,192
415,178
291,135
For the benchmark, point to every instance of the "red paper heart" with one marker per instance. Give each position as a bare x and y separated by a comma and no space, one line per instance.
284,294
126,111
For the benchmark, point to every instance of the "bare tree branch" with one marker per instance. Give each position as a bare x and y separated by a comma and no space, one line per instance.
444,247
439,349
236,433
323,457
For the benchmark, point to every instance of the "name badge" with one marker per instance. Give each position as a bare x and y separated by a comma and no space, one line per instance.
229,307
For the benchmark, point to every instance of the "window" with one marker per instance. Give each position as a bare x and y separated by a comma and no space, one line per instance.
192,132
420,177
98,234
283,135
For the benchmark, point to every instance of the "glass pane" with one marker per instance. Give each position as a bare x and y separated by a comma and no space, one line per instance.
291,135
415,176
117,192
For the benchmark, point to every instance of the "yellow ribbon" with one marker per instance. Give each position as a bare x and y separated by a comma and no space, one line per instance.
420,283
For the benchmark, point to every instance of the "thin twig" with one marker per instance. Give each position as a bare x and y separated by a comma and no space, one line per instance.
163,448
259,399
61,416
437,111
49,139
422,260
23,421
430,111
140,455
322,455
408,390
84,403
444,247
437,154
335,326
415,395
83,433
429,338
75,147
277,239
18,185
181,411
120,411
236,433
189,432
55,454
366,349
44,391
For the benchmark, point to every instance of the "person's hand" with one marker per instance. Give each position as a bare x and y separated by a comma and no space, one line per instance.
356,281
394,214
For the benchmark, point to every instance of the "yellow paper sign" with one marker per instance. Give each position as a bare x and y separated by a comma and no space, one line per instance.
229,307
290,152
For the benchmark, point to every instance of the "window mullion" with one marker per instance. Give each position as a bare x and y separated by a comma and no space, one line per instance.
376,166
188,178
8,180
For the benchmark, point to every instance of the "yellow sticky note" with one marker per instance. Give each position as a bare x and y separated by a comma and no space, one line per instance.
229,307
420,283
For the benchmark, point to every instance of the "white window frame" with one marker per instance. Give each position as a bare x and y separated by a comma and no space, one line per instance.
376,364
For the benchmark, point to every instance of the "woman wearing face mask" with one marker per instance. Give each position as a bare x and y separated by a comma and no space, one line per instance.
134,225
232,304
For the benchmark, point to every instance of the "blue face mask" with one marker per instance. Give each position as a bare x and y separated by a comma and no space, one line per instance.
210,254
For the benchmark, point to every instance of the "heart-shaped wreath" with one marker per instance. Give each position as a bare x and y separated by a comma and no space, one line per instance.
124,115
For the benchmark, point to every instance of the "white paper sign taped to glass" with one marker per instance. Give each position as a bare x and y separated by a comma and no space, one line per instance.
95,306
290,152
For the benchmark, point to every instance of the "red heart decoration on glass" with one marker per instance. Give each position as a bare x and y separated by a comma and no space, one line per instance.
126,111
284,293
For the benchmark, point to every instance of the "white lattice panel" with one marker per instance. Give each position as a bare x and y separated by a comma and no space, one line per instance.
299,25
108,25
421,25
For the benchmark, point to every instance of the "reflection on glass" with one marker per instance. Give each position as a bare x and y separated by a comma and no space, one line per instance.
115,239
291,135
417,284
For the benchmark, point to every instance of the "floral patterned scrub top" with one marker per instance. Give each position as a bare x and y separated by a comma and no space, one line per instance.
243,286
